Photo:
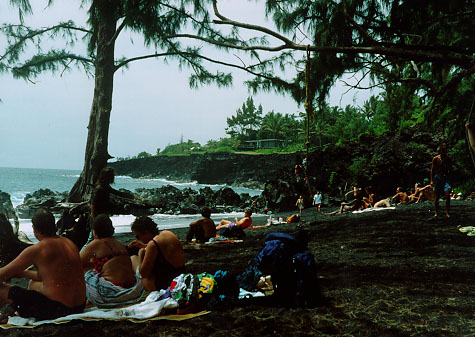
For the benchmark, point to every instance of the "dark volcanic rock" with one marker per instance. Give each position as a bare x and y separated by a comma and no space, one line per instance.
227,196
10,245
43,198
6,208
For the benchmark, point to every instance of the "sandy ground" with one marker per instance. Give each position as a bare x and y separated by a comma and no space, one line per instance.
389,273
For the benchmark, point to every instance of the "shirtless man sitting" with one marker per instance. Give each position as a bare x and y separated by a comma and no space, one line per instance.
400,197
161,257
57,287
203,229
426,193
243,223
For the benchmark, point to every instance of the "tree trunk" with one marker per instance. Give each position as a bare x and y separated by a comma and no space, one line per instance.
96,155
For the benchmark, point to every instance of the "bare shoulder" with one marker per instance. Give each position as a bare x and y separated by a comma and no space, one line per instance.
165,234
206,221
166,238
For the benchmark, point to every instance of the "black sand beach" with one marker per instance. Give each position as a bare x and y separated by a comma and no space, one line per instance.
387,273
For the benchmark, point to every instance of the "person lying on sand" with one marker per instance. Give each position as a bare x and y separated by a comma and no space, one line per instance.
57,287
243,223
354,205
203,229
161,257
110,277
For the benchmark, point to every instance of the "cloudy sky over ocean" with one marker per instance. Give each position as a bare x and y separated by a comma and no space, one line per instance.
44,124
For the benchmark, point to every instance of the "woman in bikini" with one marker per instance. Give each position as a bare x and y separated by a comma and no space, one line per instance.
160,257
110,278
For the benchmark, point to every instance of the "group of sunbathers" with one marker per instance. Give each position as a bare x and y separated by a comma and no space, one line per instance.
205,229
105,272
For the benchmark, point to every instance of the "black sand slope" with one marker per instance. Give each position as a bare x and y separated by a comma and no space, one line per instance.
387,273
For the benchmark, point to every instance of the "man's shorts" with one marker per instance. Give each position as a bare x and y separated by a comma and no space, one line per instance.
441,184
31,303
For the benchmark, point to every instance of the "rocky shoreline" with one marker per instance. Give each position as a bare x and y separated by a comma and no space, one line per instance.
234,169
164,200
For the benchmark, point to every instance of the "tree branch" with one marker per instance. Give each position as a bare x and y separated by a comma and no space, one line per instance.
416,54
143,57
33,33
117,31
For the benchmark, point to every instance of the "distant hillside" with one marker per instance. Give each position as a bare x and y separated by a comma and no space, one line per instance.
384,162
213,168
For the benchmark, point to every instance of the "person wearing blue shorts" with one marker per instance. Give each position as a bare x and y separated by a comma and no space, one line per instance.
440,178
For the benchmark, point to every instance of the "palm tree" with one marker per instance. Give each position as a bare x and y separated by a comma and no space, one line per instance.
273,125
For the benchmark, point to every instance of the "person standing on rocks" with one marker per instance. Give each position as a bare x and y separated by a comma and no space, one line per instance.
440,178
100,203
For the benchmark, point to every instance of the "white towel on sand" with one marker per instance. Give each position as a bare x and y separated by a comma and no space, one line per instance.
147,309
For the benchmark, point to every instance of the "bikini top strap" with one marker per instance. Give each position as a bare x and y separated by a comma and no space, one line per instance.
160,255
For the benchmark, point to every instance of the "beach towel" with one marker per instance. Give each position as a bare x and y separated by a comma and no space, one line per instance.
373,209
149,309
184,289
470,230
104,293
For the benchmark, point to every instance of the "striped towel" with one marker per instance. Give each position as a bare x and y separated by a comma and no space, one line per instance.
104,293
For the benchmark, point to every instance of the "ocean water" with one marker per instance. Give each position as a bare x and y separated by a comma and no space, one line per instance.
18,182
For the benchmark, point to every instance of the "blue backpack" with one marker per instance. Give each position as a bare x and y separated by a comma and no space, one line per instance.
293,270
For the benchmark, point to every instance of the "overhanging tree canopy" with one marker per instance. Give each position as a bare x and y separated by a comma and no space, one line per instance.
428,44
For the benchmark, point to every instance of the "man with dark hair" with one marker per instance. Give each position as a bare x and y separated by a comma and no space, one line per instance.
439,178
103,226
203,229
401,197
57,285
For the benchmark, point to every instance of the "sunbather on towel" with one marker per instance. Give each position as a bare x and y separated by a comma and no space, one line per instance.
110,277
57,285
161,257
351,206
243,223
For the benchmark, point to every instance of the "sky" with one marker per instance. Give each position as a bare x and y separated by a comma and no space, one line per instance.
44,124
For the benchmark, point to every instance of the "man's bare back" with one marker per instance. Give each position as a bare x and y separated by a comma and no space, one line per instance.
60,275
208,226
57,286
